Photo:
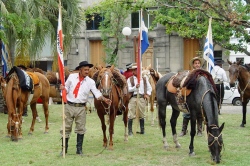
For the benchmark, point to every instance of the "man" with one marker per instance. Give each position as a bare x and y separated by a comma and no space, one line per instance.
195,63
78,86
128,73
219,77
144,89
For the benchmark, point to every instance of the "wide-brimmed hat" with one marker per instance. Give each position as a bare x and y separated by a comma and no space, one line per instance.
128,65
219,62
196,58
133,66
84,63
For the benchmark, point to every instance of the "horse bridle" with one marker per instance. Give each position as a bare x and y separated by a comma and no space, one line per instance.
107,109
216,139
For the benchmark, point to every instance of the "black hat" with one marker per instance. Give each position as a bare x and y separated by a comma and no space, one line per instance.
84,63
219,62
22,67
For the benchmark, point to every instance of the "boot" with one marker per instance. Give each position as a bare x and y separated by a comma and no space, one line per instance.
184,130
130,123
141,126
25,111
199,127
66,146
79,141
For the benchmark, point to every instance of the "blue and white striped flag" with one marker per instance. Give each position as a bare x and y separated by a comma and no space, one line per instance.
208,54
4,60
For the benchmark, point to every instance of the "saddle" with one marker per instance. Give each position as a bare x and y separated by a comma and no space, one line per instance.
34,78
176,84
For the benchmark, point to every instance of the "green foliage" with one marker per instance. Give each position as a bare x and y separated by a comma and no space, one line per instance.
190,19
43,149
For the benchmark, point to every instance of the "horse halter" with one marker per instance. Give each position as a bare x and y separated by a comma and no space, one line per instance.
215,139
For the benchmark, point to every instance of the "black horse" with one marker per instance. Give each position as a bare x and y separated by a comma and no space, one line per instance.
202,100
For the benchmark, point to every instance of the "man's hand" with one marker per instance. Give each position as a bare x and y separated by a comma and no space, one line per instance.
107,101
146,97
138,85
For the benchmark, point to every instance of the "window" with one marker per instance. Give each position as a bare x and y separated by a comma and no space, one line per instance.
135,19
217,55
93,21
242,60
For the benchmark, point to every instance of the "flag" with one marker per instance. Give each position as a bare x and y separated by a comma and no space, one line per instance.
60,53
208,54
142,45
4,60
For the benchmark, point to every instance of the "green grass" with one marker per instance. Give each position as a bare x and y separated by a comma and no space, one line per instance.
147,150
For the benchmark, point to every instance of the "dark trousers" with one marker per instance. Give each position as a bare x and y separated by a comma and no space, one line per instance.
220,93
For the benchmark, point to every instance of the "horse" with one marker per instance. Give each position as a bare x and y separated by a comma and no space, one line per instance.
201,100
153,77
16,99
240,73
109,89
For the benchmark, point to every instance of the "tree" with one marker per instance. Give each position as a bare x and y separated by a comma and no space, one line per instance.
114,13
189,18
28,24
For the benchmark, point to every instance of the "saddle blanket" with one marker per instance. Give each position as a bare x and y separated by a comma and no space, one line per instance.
34,77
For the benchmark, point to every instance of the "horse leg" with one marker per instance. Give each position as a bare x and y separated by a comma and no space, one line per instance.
111,131
8,128
162,122
105,141
125,120
34,115
46,114
152,111
192,134
173,120
244,111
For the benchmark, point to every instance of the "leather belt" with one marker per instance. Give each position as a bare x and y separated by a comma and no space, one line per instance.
140,96
76,104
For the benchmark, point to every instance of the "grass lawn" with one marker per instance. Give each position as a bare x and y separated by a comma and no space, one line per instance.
147,150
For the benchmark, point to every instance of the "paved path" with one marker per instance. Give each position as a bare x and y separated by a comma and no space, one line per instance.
233,109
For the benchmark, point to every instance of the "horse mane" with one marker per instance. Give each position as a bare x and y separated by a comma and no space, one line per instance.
191,80
247,66
36,70
51,76
121,80
95,76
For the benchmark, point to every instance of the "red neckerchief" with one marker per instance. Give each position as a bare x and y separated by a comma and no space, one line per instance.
75,92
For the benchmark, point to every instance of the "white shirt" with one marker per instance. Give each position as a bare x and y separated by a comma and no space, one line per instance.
219,73
86,86
141,88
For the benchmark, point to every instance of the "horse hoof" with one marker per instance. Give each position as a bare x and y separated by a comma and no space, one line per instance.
46,132
242,125
7,136
192,154
166,147
178,146
30,134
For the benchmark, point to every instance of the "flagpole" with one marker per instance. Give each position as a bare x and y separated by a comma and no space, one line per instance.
60,44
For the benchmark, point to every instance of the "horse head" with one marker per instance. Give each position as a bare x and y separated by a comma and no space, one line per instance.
105,79
233,72
14,125
215,141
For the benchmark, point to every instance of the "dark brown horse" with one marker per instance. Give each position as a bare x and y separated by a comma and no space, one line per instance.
240,73
110,90
17,98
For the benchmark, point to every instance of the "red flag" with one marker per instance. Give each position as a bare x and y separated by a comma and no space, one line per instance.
60,53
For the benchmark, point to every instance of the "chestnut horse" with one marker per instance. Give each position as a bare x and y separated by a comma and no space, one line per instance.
113,92
17,98
240,73
153,77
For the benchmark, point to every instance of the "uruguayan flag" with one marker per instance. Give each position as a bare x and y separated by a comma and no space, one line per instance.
208,54
144,37
4,60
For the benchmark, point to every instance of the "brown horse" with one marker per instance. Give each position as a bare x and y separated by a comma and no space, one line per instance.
17,98
240,73
113,92
153,77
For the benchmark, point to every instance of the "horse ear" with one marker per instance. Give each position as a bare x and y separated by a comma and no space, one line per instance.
99,67
112,68
221,127
230,63
239,62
